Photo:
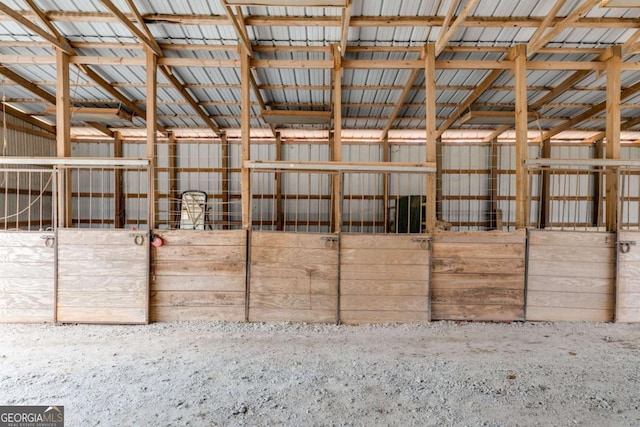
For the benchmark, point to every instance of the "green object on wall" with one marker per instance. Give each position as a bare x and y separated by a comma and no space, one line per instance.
409,214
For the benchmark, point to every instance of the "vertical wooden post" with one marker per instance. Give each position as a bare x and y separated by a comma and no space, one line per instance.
224,153
152,103
245,130
493,184
174,203
432,132
613,133
598,199
336,147
119,204
439,200
278,177
522,148
63,136
386,157
545,187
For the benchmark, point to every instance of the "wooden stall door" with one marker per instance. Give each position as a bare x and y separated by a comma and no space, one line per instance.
628,282
478,275
103,276
571,276
27,276
199,275
384,278
293,277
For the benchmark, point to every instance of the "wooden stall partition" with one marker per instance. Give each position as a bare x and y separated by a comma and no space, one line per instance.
199,275
103,276
478,275
384,278
293,277
628,282
27,282
571,276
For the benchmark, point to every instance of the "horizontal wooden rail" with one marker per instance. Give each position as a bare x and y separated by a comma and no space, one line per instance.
613,163
74,162
314,64
342,166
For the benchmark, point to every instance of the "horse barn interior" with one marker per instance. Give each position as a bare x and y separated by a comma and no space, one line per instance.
319,161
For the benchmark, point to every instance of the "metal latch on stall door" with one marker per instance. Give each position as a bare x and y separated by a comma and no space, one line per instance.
425,242
329,241
49,240
625,245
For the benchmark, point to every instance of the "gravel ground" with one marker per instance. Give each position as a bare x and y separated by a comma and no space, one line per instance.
440,374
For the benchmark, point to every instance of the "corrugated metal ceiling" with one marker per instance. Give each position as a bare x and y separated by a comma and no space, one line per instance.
217,89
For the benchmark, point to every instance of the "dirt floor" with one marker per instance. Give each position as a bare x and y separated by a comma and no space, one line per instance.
443,373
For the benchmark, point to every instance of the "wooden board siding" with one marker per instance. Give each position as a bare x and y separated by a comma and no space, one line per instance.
102,276
571,276
383,278
293,277
478,276
628,286
26,277
199,275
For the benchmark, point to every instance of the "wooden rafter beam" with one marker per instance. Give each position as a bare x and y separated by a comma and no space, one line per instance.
546,22
359,64
624,126
561,26
596,109
632,49
31,26
335,21
124,20
565,85
6,108
443,39
238,26
177,84
90,73
293,49
400,103
447,20
143,25
33,88
55,38
320,87
28,85
100,81
496,133
345,23
144,36
479,90
261,103
237,20
630,46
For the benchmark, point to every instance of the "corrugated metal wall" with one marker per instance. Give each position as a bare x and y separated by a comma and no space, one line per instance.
465,185
25,197
630,192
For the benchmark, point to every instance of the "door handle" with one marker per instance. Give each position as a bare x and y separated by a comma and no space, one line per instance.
138,239
49,240
329,241
625,245
425,242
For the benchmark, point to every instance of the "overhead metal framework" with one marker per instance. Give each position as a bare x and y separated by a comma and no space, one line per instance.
293,49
